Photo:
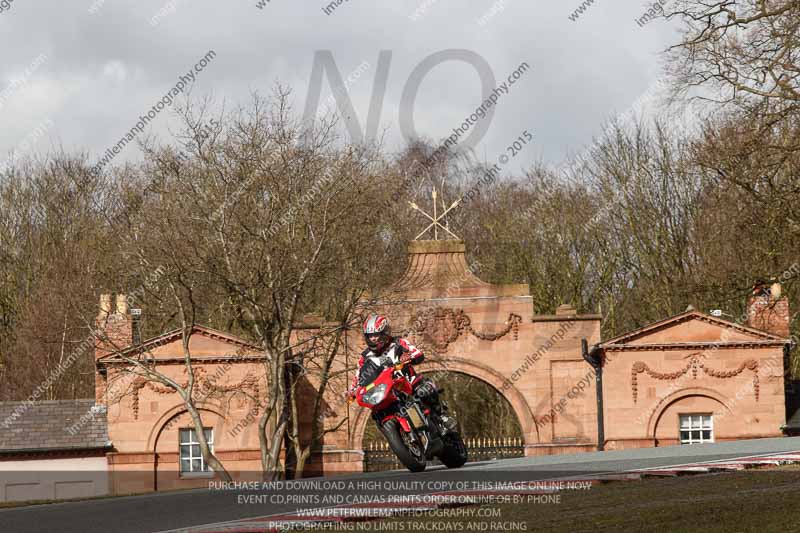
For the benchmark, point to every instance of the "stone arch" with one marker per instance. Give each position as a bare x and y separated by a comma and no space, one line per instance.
159,472
679,395
530,431
173,412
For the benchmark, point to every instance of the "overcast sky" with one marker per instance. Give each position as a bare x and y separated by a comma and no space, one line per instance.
81,79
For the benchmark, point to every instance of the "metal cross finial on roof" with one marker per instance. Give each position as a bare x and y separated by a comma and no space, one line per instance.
435,224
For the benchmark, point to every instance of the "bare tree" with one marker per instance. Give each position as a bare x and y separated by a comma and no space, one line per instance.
740,53
53,245
277,230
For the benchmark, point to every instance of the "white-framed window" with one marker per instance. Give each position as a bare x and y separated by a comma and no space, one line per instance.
190,457
696,428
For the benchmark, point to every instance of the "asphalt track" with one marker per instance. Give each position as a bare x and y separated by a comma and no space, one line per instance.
176,510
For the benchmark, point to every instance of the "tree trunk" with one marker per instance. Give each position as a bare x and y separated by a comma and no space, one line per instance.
270,446
208,457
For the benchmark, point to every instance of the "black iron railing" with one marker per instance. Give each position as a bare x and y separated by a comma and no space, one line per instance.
379,457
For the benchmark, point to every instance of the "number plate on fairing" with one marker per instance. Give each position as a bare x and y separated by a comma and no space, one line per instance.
416,418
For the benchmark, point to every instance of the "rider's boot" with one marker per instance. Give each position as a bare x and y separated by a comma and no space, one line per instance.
448,423
438,406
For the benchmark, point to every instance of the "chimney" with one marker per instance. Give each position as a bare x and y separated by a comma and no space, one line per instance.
114,330
122,304
105,304
768,310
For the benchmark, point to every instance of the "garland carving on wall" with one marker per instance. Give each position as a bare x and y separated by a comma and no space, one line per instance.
695,364
204,386
439,327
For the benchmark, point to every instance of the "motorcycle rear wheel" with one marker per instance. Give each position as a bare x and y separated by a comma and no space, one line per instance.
455,452
393,433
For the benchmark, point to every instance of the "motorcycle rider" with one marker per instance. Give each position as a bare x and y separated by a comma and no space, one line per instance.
383,349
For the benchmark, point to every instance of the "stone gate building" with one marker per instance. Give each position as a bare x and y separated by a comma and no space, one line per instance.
688,378
685,379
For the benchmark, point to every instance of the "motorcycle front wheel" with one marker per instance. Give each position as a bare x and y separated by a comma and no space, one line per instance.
408,452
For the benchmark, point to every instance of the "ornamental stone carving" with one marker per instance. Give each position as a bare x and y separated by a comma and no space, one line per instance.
439,327
204,387
695,364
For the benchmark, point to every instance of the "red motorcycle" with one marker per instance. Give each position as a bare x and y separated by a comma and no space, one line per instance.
415,433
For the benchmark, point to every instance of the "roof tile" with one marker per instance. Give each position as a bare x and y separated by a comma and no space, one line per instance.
44,425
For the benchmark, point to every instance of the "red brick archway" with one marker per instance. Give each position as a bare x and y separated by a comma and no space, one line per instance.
488,332
171,414
165,459
663,428
473,369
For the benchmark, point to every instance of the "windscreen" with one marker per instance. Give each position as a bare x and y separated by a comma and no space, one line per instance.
369,373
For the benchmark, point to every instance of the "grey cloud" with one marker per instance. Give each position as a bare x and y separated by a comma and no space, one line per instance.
107,68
